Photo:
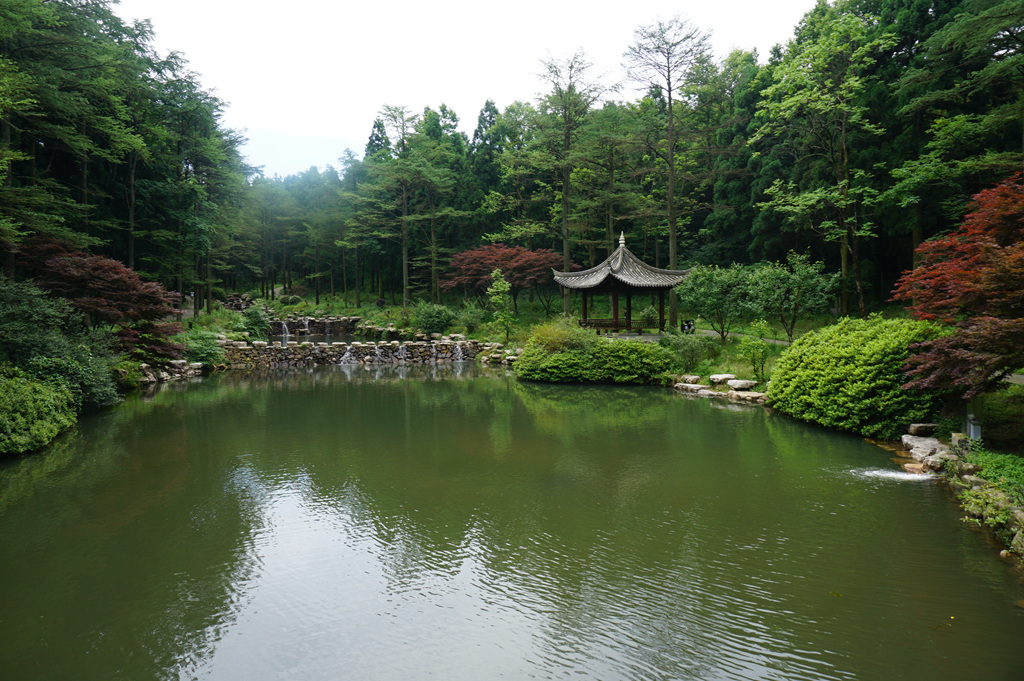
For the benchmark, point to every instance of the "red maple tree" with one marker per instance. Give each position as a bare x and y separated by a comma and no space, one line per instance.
973,280
523,269
108,292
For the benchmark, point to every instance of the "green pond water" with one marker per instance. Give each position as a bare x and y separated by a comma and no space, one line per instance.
448,523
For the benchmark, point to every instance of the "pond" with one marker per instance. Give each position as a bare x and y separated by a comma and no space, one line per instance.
448,522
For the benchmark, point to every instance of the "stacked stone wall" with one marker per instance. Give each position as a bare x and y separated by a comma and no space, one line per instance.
264,355
314,326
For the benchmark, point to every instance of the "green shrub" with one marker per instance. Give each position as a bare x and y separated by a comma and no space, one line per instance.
470,317
849,376
290,300
201,346
433,318
255,322
596,362
32,412
690,351
561,333
1005,470
88,378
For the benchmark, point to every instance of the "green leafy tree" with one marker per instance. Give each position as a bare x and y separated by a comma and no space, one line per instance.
563,112
662,56
792,291
501,302
718,295
814,105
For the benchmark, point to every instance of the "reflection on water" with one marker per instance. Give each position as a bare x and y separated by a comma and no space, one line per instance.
384,523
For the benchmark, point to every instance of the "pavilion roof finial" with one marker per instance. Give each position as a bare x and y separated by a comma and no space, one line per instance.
622,238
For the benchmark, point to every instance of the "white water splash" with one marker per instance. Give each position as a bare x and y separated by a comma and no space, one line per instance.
889,474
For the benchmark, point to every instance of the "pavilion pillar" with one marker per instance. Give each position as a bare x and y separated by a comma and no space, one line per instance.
629,311
586,295
661,309
615,310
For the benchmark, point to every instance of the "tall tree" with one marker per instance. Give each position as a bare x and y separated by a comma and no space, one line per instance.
813,105
563,112
661,55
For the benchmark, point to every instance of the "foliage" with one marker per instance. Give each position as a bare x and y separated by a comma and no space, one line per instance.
32,412
648,317
107,292
972,279
690,350
522,268
201,346
1002,419
498,293
47,338
717,295
433,318
849,376
561,334
290,300
755,349
1006,470
469,317
255,322
598,361
791,292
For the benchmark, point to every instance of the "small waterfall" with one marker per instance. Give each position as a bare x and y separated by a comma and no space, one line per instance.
349,357
433,353
402,354
379,353
305,328
458,352
284,328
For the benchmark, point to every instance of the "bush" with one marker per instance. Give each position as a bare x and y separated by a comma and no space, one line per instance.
470,317
201,346
47,338
88,378
290,300
850,375
561,334
596,362
32,413
1005,470
433,318
690,350
255,322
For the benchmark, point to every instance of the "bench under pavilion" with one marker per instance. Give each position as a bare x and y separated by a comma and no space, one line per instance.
621,274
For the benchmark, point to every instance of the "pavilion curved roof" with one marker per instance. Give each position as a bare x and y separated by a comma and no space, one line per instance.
624,267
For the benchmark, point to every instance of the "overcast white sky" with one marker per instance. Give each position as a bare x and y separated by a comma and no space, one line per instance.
305,79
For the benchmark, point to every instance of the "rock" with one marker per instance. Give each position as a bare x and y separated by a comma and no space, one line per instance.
973,480
740,384
923,429
912,442
1017,544
938,461
1016,520
691,387
720,378
745,396
914,468
689,378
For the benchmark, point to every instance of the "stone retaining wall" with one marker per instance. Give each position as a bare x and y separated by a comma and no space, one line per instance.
314,326
263,355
